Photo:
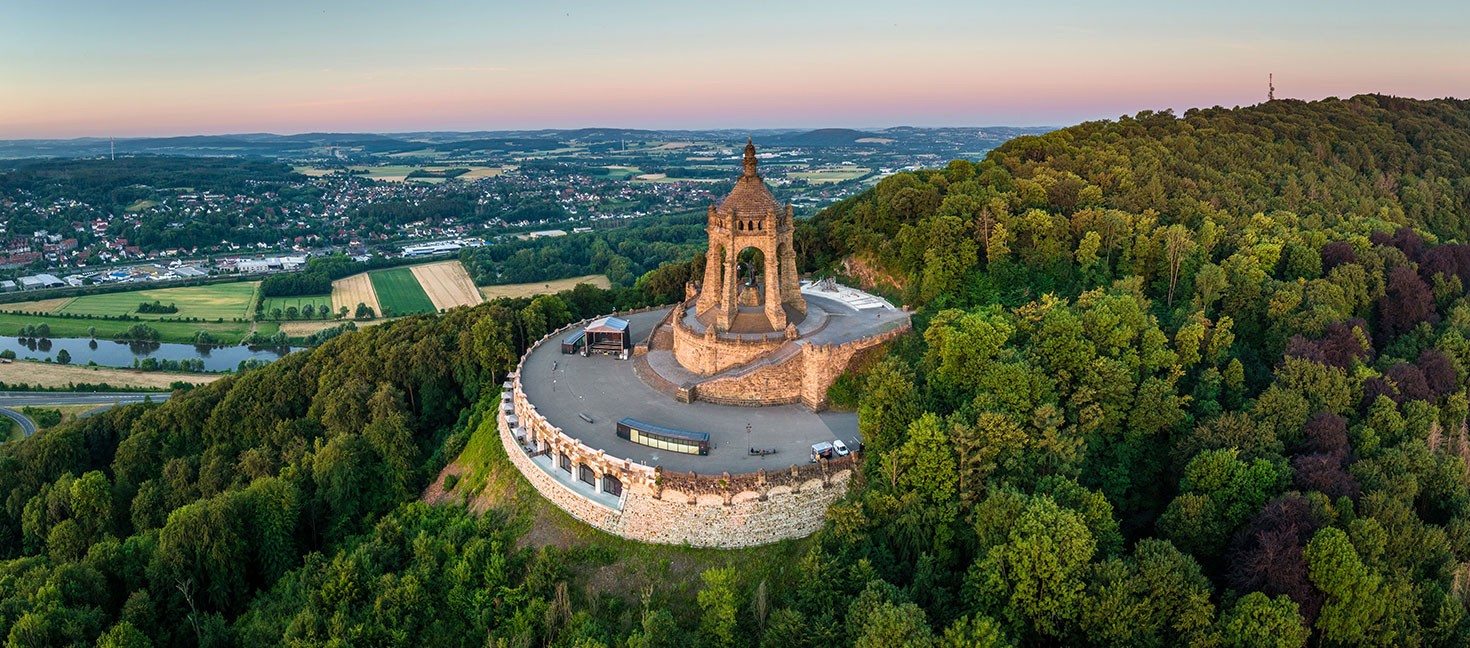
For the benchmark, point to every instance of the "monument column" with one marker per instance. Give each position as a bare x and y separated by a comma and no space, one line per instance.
709,293
774,312
790,279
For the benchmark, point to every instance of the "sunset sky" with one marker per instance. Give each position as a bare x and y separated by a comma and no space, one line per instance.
73,68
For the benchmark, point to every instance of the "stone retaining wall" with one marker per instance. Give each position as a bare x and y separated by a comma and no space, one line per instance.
710,353
670,507
776,384
824,363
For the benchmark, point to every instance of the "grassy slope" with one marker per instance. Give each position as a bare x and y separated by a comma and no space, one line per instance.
619,567
399,292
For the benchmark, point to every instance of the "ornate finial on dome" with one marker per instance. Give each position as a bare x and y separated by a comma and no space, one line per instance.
750,161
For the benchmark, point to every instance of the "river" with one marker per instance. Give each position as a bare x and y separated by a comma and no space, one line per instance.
109,353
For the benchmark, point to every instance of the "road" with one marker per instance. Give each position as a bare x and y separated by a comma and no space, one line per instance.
21,399
27,426
103,400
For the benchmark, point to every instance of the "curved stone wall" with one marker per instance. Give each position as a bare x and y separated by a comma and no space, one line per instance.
710,353
670,507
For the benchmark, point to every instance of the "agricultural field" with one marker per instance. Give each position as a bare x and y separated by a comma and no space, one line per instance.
350,291
542,287
660,177
617,172
317,303
215,301
303,329
447,284
227,332
400,172
58,376
399,292
38,306
830,175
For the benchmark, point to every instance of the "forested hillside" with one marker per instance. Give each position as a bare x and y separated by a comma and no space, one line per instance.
1195,380
1191,380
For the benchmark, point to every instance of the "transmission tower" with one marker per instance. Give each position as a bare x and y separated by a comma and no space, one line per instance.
1271,87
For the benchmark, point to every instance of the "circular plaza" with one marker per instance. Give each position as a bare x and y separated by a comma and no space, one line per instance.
704,422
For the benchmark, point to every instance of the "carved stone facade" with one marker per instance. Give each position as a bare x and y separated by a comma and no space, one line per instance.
750,217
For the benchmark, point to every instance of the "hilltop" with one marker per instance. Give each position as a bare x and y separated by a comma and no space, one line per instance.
1176,379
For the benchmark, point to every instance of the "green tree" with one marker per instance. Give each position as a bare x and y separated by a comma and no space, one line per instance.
719,603
929,461
1035,578
1259,621
1355,599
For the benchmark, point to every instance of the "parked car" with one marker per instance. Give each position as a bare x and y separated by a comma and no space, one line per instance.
840,447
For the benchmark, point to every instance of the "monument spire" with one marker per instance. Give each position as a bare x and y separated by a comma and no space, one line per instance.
750,161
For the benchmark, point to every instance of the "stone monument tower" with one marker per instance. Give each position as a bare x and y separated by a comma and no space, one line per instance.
767,296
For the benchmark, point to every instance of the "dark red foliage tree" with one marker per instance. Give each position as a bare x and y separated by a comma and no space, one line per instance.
1409,242
1326,433
1300,347
1266,554
1325,473
1410,382
1439,372
1339,346
1406,303
1449,260
1337,253
1375,387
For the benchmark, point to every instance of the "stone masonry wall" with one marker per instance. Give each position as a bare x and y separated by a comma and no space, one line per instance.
823,364
579,507
777,384
677,508
710,354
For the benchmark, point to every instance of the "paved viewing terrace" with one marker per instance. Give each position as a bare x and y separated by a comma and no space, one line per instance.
566,387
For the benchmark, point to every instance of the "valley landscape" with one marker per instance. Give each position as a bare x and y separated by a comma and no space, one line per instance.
442,365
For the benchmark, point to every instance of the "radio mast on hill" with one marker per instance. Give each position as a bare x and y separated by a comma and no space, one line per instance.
1271,87
112,145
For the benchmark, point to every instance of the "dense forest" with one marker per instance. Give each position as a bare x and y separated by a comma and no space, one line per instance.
1176,380
623,254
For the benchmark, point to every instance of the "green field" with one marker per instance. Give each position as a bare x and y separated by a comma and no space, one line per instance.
831,174
399,292
317,302
215,301
226,332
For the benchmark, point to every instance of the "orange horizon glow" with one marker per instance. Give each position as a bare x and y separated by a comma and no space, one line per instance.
194,68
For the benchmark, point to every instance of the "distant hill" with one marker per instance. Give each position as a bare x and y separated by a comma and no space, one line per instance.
949,141
829,137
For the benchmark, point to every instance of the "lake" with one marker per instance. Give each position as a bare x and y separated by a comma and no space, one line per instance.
109,353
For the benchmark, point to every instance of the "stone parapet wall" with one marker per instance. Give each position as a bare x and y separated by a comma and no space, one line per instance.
670,507
747,522
824,363
565,498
